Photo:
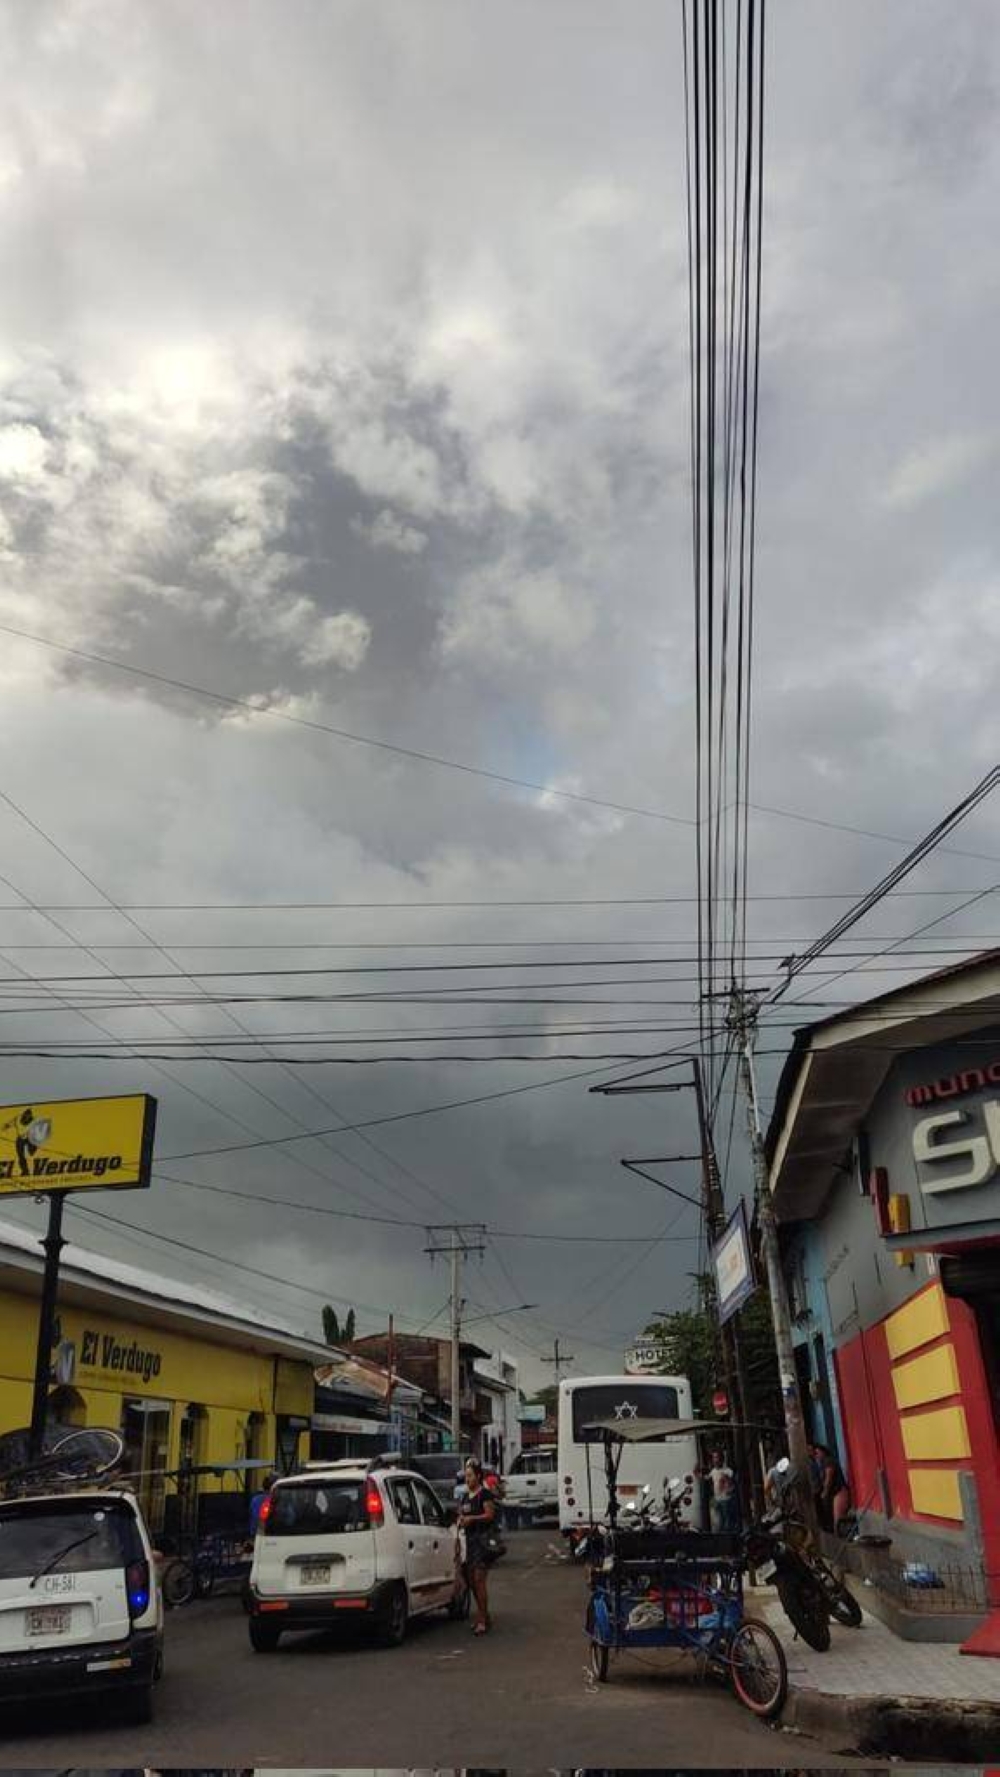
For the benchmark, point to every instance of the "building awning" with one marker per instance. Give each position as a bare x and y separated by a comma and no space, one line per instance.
351,1427
836,1067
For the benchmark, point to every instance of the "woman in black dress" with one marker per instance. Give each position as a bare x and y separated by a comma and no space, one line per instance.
476,1520
833,1496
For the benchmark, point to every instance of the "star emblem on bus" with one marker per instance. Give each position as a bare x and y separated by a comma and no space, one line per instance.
627,1410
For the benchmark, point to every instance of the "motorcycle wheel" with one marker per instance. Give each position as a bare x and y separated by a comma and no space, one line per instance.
841,1604
806,1609
844,1608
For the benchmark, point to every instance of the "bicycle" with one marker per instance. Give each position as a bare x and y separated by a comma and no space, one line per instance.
69,1453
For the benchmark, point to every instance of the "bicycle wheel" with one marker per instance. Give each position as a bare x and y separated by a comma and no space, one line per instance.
86,1451
599,1651
178,1582
204,1579
758,1669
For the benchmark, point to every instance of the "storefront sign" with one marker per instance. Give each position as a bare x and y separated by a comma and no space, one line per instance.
350,1426
732,1264
76,1144
641,1360
971,1160
113,1355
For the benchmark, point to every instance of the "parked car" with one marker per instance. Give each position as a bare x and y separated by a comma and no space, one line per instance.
532,1489
80,1605
444,1469
368,1542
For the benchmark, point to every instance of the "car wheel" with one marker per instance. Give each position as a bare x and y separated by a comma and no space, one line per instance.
263,1636
392,1630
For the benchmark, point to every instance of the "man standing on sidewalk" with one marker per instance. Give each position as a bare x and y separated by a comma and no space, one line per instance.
722,1494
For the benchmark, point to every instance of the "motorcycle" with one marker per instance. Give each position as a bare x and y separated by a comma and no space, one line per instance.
802,1597
841,1603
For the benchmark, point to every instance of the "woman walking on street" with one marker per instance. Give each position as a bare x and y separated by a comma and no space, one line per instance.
476,1520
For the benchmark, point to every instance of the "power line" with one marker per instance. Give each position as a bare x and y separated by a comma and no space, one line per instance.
795,964
254,709
361,740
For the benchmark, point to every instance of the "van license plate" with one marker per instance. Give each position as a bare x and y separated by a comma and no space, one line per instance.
316,1574
52,1619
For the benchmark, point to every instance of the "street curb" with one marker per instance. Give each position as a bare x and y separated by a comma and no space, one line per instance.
897,1727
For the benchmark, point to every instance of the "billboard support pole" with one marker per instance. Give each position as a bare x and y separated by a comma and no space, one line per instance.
53,1244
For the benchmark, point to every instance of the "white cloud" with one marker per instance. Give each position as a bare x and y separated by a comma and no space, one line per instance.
935,467
387,531
23,455
506,616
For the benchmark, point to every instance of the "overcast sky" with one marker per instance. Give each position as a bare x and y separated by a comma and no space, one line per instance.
343,370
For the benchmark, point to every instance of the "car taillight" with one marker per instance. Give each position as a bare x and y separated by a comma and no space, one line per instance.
373,1504
567,1480
266,1508
137,1587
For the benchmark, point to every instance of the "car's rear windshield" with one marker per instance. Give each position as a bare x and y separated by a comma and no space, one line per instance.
318,1508
617,1401
36,1537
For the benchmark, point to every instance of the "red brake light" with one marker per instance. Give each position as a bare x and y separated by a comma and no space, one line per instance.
137,1587
266,1508
373,1504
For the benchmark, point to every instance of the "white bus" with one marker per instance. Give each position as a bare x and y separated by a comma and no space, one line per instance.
583,1493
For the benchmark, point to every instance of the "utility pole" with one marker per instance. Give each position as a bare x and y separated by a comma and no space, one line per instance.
715,1221
463,1239
559,1359
715,1215
743,1021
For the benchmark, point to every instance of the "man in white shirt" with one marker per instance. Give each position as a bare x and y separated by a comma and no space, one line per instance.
722,1498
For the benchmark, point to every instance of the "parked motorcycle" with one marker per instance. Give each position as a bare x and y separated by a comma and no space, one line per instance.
802,1597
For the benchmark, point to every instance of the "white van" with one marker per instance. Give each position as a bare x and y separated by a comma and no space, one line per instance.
80,1603
531,1486
350,1540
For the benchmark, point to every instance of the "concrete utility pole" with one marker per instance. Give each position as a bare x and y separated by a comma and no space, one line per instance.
559,1359
743,1021
463,1239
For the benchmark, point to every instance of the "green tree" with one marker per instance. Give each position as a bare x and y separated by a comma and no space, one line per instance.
331,1325
692,1347
349,1326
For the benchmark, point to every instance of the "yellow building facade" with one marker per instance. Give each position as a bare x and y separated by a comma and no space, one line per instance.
185,1376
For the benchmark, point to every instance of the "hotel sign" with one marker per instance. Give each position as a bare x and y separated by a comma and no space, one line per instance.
76,1144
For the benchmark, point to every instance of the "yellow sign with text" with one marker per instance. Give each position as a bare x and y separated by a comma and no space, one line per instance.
76,1144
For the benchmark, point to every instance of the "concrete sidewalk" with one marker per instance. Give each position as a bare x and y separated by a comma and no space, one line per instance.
880,1695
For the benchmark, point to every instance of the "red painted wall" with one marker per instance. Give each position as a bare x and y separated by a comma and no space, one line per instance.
871,1421
982,1434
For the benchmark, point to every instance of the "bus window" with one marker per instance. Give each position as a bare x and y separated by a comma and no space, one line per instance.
618,1401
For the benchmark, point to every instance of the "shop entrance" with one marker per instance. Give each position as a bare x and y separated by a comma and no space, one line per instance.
146,1431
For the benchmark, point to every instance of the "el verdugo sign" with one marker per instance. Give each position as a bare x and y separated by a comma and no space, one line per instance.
76,1144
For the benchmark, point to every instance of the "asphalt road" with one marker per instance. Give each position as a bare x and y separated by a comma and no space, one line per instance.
521,1697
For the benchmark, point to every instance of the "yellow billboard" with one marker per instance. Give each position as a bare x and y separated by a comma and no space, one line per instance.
76,1144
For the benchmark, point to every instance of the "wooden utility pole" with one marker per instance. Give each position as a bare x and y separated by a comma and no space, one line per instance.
463,1239
742,1022
559,1359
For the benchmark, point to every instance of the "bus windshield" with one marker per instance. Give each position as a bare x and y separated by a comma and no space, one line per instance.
620,1400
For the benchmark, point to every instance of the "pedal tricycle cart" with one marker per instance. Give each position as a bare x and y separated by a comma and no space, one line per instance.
668,1586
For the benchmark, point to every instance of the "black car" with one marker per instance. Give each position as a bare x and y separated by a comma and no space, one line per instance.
445,1470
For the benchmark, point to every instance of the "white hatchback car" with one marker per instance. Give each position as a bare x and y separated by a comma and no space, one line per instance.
365,1540
80,1604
